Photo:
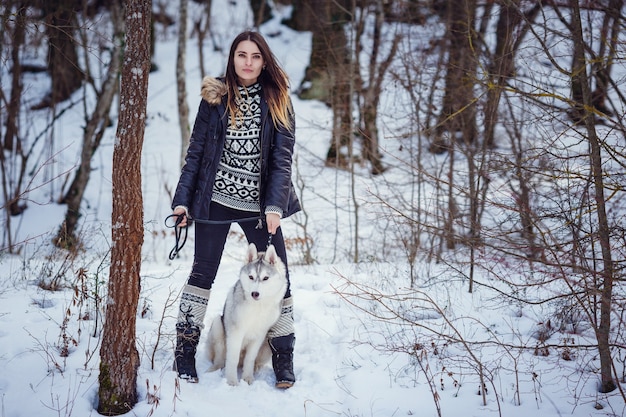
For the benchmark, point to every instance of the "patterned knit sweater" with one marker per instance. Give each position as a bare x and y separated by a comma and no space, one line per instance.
237,181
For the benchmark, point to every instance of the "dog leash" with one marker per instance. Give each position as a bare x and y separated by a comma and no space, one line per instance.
180,232
269,240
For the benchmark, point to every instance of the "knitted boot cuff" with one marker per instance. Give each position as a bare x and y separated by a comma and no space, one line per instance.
284,326
193,302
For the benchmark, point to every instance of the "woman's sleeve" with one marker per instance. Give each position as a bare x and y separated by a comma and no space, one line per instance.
187,182
279,179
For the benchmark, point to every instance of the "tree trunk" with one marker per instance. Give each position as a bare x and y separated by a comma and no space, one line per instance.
119,359
13,106
181,86
451,211
261,11
332,54
339,78
202,26
328,75
581,80
458,113
12,142
92,136
304,16
370,92
502,65
577,112
63,65
608,47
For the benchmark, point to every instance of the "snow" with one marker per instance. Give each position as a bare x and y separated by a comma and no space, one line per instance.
353,355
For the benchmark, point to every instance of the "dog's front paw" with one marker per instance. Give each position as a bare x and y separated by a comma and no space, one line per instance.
248,378
231,378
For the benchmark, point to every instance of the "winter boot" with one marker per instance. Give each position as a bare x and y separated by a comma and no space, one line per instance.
190,323
187,338
282,360
282,340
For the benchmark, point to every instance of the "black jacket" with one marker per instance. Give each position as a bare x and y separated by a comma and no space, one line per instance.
195,186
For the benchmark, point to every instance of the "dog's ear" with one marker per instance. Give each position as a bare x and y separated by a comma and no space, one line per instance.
270,255
252,253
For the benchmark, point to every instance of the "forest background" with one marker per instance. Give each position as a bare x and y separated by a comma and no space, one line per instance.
461,167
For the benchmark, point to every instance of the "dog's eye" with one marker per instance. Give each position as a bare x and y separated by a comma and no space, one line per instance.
251,277
266,278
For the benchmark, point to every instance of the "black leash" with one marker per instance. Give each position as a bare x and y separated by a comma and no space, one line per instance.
180,232
269,240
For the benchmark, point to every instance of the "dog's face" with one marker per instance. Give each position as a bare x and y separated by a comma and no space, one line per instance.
263,275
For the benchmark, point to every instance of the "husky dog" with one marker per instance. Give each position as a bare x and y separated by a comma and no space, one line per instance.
239,336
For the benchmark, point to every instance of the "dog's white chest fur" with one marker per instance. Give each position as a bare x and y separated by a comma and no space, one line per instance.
250,317
239,336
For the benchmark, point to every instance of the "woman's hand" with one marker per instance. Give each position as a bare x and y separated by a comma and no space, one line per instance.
180,211
273,222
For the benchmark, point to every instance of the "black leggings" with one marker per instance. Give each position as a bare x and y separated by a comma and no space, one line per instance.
211,238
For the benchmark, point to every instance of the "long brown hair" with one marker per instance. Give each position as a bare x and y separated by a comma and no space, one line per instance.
273,79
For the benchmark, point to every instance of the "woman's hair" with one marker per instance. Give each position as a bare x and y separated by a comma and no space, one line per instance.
273,80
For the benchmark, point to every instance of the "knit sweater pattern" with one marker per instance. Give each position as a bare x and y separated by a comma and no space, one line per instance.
237,181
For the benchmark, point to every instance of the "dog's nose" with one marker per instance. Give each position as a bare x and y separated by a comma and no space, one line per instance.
255,294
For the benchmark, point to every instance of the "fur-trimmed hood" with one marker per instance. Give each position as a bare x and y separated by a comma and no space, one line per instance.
212,90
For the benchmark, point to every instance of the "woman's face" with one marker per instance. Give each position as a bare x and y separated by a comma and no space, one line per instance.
248,62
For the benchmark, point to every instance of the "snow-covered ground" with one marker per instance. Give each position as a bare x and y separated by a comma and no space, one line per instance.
352,356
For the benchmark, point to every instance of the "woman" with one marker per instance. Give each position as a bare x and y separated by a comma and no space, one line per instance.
237,169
